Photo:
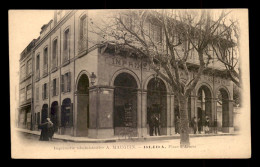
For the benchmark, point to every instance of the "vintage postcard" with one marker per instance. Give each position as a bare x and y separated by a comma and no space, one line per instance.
135,83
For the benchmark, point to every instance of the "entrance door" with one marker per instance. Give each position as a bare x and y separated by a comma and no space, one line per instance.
83,106
44,113
54,115
200,113
157,105
125,103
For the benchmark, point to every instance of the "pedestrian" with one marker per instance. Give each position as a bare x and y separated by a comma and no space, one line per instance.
50,127
207,125
44,131
194,125
177,125
199,125
151,123
157,125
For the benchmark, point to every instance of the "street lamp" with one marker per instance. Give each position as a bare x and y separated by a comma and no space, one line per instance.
93,78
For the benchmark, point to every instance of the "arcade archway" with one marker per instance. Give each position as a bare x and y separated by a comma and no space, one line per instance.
83,106
66,113
157,104
44,114
125,102
204,105
222,108
54,115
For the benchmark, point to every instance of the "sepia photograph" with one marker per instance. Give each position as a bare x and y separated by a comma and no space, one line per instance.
129,83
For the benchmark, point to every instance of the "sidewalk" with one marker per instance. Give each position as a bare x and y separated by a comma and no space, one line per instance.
115,139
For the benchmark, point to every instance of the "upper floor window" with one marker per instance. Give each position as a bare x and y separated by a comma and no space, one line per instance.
37,62
29,92
82,27
66,39
65,82
37,66
29,67
23,72
129,22
83,43
60,14
156,33
55,87
45,61
45,91
22,95
66,45
54,53
37,93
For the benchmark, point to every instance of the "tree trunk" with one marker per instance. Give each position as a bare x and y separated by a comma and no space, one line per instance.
184,122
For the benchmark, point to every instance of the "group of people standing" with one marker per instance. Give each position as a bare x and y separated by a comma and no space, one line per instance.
154,124
196,125
47,130
153,119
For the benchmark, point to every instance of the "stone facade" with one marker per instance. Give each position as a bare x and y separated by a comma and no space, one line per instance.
64,91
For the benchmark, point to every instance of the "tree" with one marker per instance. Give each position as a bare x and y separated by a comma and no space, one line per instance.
166,39
227,50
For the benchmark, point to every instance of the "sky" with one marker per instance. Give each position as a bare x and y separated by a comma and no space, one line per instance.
24,26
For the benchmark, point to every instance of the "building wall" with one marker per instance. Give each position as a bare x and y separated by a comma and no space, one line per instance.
106,67
24,117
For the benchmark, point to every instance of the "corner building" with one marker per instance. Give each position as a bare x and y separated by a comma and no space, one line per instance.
67,56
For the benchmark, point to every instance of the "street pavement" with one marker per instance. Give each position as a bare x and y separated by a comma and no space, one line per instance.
202,147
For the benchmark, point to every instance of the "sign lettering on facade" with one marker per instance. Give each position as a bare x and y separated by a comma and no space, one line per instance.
127,62
217,80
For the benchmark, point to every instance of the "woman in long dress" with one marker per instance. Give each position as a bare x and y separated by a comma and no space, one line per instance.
44,131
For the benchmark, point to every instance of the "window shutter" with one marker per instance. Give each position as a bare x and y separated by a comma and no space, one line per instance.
52,84
69,81
62,83
57,86
43,91
47,90
71,114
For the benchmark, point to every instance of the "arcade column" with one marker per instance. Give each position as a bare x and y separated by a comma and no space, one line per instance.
194,112
193,102
210,109
101,100
228,126
143,127
170,115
